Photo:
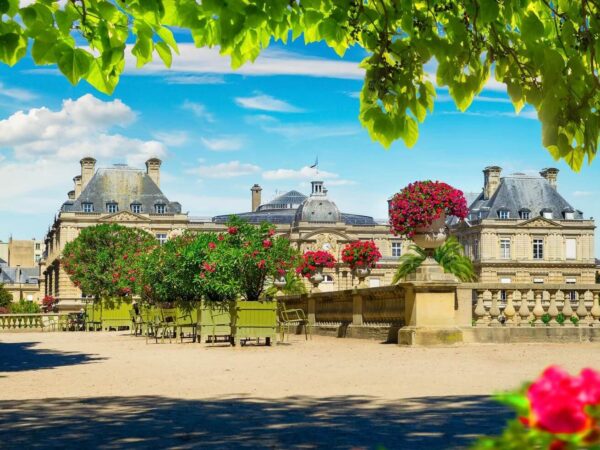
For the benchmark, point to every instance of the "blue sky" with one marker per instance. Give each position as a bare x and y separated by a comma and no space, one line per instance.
219,132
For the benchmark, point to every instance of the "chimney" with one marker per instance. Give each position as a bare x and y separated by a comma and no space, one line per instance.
88,167
77,182
491,181
551,175
256,197
71,195
153,170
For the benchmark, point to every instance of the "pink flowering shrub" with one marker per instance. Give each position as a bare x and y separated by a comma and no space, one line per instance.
421,203
361,254
313,261
556,411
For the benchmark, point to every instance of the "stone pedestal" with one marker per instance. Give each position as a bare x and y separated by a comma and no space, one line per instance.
430,270
430,314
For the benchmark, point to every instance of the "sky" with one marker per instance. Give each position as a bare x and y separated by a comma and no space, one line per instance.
218,132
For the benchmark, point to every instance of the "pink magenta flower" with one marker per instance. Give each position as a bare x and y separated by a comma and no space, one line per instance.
558,400
267,243
212,245
232,230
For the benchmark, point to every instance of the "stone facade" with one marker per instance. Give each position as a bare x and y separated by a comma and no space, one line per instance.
521,230
500,243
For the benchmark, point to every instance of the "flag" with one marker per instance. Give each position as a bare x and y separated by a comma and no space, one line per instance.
316,163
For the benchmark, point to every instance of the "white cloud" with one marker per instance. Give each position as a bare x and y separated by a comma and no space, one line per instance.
192,60
264,102
199,110
18,94
223,143
171,138
310,131
195,79
580,194
80,128
304,173
481,98
229,169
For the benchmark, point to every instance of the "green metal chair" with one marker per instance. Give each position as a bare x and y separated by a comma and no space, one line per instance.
185,321
136,323
292,318
165,324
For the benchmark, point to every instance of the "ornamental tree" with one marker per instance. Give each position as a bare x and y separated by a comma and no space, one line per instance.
105,261
545,52
245,257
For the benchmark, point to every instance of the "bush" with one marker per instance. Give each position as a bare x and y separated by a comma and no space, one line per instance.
6,297
25,307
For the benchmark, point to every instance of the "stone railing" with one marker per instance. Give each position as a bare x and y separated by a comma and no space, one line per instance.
44,322
376,313
526,305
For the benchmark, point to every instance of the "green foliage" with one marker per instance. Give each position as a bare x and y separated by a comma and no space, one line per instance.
105,261
294,285
545,52
24,307
5,297
450,255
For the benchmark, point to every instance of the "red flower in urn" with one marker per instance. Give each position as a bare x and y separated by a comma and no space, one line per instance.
361,254
313,261
421,203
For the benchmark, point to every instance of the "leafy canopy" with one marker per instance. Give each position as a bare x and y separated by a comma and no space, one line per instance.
105,261
545,51
6,297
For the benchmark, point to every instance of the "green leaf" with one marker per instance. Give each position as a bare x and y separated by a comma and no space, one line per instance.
164,52
74,63
167,35
100,79
42,51
488,11
142,50
532,28
13,47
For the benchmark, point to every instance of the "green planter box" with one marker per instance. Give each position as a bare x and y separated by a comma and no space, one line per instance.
254,320
214,322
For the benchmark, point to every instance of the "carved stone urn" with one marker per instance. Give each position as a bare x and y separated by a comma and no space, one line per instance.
280,283
316,279
429,238
362,273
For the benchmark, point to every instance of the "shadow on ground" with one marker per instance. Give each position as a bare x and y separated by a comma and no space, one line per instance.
17,357
239,422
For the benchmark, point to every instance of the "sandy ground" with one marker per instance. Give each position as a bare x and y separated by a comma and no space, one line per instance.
113,390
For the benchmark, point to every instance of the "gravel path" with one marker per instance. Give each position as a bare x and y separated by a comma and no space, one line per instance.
112,390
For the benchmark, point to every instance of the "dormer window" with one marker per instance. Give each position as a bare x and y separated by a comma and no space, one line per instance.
524,214
160,208
504,214
112,207
569,214
87,207
547,213
136,208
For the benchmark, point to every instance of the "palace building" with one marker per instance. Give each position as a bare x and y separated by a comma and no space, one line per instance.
521,230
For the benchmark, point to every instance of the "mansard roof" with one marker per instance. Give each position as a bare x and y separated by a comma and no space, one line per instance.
520,192
125,186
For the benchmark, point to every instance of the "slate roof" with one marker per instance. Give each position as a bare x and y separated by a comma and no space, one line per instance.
8,275
123,185
521,192
283,210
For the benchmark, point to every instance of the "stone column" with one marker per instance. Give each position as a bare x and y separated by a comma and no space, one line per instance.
430,314
357,310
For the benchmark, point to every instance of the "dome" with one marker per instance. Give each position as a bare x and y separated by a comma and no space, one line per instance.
317,207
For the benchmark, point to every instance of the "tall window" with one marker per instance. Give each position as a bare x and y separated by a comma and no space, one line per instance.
503,214
571,248
87,207
136,208
162,238
112,207
538,249
396,249
504,248
524,214
160,208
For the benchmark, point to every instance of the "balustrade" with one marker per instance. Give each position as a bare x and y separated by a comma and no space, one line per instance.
527,305
44,322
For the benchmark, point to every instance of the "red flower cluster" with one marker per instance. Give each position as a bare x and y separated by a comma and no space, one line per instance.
421,203
361,254
47,301
233,230
209,267
212,245
312,261
267,243
558,401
